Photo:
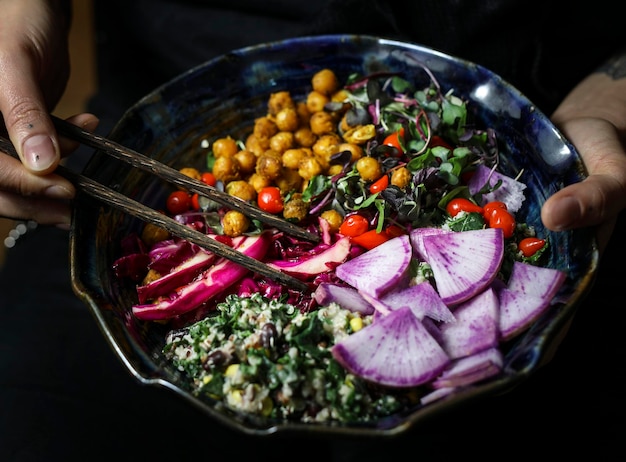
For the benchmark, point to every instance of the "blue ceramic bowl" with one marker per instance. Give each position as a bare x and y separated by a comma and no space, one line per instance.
223,96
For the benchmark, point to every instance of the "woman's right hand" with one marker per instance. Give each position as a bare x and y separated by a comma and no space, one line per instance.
34,69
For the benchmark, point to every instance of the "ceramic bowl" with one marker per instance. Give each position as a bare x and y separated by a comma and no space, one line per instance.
223,96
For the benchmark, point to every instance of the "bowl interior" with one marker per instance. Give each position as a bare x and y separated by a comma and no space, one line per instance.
223,97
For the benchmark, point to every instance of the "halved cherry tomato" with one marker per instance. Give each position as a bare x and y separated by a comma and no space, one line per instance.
371,239
380,184
502,218
394,231
178,202
394,139
354,225
270,199
460,204
195,202
529,246
208,178
489,208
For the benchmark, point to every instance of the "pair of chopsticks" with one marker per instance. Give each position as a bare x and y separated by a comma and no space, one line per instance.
169,174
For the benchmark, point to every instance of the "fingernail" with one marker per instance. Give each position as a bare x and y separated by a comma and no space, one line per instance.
39,152
567,213
64,226
58,192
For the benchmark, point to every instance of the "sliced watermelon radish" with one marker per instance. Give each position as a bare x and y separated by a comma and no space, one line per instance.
395,351
417,239
475,328
528,294
347,297
510,191
378,270
471,369
320,263
421,298
464,263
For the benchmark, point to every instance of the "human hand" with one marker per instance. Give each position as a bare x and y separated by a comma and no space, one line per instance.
593,118
34,68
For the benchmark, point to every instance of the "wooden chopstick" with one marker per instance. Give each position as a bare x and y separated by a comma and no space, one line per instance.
136,209
172,175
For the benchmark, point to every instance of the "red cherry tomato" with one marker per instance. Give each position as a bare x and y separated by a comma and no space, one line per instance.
354,225
195,203
380,184
501,218
460,204
395,139
529,246
270,199
490,207
208,178
439,141
371,239
394,231
178,202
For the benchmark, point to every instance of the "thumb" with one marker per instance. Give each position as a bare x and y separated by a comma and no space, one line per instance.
27,120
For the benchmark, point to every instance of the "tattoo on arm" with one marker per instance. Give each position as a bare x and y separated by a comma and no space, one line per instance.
615,67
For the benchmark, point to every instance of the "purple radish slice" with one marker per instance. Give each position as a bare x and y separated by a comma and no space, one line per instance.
511,191
395,351
471,369
417,239
378,270
476,327
422,298
347,297
464,263
528,294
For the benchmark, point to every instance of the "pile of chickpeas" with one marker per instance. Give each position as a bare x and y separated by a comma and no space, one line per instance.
287,147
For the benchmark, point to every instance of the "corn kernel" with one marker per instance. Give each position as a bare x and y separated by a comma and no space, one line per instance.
356,324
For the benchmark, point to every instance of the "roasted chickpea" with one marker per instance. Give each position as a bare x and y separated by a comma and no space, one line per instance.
287,119
339,96
264,128
235,223
247,161
152,275
355,150
322,122
241,189
360,134
282,141
279,101
334,169
151,234
401,177
256,146
191,172
259,182
304,137
303,113
309,167
291,157
327,145
333,218
295,208
325,82
289,180
226,168
369,168
225,147
316,101
269,164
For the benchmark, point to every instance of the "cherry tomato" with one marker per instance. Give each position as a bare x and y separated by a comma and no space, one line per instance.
371,239
195,203
529,246
178,202
270,200
460,204
354,225
395,139
394,231
502,218
439,141
208,178
380,184
489,208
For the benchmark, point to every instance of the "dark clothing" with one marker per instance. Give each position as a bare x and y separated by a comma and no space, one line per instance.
65,396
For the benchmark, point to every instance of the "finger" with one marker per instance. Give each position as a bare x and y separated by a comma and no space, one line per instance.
87,122
42,210
26,117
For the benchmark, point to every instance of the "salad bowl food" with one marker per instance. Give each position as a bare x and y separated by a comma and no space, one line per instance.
385,322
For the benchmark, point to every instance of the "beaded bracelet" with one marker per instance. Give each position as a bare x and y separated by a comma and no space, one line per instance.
20,229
